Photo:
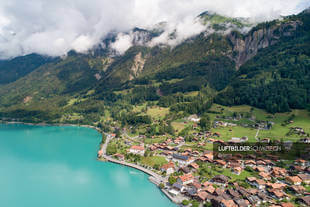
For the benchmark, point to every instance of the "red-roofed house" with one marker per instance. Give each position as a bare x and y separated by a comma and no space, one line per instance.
202,195
137,150
186,179
287,205
295,180
237,170
194,165
100,153
210,189
168,168
305,178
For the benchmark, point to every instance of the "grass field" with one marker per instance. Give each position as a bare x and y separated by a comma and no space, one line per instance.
278,131
138,108
236,131
153,160
154,140
227,172
157,112
180,124
192,94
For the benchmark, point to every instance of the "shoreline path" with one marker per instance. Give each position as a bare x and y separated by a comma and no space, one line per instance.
154,177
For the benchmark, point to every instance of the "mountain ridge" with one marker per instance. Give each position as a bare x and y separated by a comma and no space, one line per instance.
207,63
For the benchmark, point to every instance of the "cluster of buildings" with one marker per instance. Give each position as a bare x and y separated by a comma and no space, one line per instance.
273,185
298,130
269,184
223,124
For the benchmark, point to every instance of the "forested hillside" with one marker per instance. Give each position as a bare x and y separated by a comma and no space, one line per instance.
11,70
267,67
277,78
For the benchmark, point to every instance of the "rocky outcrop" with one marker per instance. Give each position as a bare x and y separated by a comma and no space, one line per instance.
247,46
137,66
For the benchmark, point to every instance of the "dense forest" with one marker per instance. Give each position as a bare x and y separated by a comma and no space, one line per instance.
11,70
277,78
187,79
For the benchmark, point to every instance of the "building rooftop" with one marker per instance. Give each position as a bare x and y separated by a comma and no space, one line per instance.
186,177
180,157
137,147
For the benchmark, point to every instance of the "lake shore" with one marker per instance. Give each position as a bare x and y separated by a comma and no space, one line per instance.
154,177
105,158
60,161
46,124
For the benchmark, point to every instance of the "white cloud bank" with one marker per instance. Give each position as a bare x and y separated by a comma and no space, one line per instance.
55,27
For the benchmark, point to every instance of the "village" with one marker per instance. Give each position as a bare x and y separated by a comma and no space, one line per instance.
191,174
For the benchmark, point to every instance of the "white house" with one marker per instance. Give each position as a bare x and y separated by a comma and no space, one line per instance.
194,118
168,168
182,160
137,150
185,179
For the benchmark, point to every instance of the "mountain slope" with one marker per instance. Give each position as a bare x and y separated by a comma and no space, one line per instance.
60,78
278,77
248,67
12,70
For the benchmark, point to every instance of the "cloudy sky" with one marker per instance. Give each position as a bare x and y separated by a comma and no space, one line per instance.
57,26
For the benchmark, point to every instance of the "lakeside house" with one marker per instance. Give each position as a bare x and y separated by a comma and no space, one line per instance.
178,186
136,149
168,168
100,153
185,179
174,192
119,156
182,160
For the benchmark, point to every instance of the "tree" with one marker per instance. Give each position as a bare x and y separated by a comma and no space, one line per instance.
205,123
172,180
161,186
156,166
117,133
207,204
185,202
104,137
195,203
146,153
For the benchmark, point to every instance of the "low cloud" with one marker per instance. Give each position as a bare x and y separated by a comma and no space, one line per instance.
55,27
123,43
175,33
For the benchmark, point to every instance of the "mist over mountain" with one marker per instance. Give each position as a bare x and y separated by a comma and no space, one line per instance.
185,64
55,28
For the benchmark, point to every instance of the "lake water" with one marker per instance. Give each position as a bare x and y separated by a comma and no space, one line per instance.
50,166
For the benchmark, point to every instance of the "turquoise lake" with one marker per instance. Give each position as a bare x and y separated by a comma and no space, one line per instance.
51,166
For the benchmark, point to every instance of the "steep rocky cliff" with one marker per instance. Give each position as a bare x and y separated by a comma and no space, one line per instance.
264,35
